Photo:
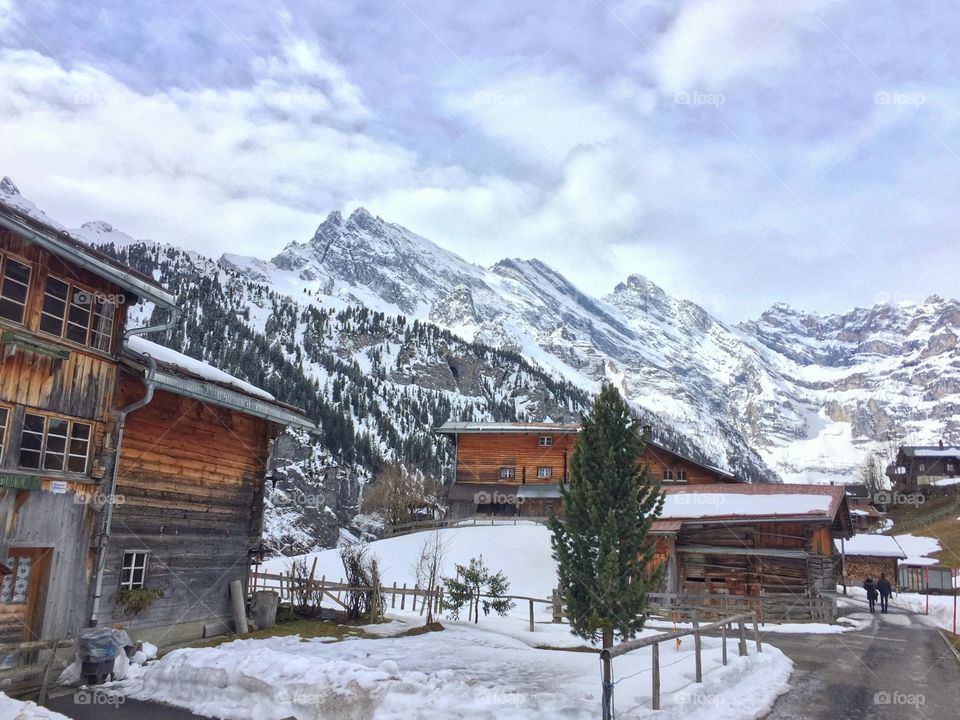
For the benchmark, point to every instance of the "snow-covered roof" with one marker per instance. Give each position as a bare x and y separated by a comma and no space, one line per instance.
752,502
184,375
874,546
933,451
188,364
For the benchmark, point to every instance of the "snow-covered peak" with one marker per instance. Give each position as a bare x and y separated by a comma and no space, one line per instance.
8,187
100,232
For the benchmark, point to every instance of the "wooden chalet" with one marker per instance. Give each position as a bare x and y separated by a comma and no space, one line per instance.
518,468
126,470
917,466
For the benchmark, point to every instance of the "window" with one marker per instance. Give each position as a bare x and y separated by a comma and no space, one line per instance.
77,314
16,585
949,467
13,289
52,443
544,472
4,419
921,467
667,474
682,475
133,570
546,441
508,473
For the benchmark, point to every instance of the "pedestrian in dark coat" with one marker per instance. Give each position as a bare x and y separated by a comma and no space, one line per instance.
883,587
871,592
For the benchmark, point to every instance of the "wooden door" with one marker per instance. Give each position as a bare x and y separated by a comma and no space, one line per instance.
22,594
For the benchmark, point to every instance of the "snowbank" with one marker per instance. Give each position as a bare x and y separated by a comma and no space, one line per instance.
521,552
11,709
462,672
917,547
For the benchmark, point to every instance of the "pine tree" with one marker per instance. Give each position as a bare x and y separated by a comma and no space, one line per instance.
602,543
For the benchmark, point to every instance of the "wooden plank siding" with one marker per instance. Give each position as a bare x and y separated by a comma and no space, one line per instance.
480,457
191,477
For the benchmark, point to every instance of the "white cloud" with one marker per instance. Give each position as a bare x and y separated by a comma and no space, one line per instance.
713,41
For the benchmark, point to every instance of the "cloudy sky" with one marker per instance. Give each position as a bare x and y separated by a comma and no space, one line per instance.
737,152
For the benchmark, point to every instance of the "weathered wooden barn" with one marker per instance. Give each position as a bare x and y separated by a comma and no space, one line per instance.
770,542
518,468
84,535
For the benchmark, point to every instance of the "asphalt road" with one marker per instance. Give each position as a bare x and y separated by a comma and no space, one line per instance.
83,705
897,667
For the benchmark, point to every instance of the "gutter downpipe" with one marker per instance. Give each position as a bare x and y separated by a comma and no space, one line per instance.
145,400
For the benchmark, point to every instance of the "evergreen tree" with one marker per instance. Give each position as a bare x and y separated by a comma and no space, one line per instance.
602,543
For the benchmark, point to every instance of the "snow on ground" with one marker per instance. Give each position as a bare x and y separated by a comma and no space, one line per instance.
521,552
492,670
917,547
11,709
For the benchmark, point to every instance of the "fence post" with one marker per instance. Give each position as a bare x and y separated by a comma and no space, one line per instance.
403,596
743,637
607,694
531,616
393,597
756,634
655,674
557,608
415,589
42,698
723,638
698,647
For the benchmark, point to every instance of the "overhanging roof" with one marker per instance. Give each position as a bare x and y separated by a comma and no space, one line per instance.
62,244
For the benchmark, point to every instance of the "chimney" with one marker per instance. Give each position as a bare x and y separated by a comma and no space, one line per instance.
646,430
941,444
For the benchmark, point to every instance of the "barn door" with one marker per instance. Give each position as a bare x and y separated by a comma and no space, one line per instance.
22,594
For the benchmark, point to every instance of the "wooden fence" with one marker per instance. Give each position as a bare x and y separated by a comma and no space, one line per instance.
28,665
421,525
653,642
289,587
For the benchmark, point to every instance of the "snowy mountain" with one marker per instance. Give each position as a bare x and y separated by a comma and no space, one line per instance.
381,334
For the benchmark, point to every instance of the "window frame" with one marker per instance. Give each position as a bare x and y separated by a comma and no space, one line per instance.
4,258
69,439
7,412
545,441
93,319
133,567
681,474
666,474
508,473
545,472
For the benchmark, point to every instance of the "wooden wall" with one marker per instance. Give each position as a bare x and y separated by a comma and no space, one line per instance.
739,566
191,478
481,455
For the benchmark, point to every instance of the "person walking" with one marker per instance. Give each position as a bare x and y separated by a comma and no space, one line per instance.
883,587
871,592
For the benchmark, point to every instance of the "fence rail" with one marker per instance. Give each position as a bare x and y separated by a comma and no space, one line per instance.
476,520
26,666
653,642
289,586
